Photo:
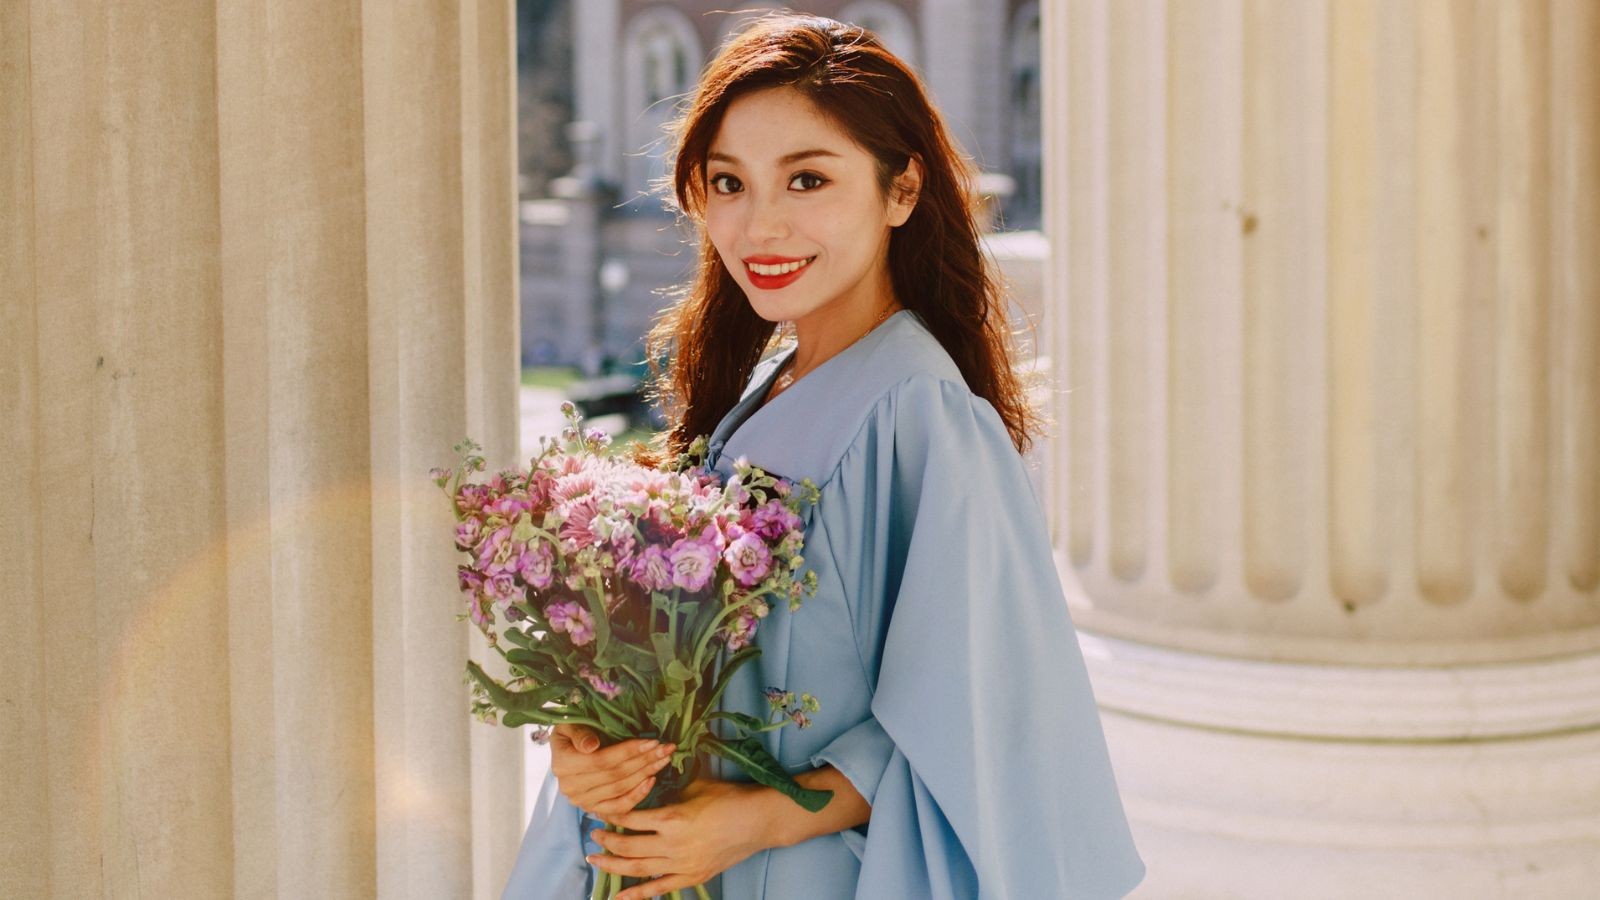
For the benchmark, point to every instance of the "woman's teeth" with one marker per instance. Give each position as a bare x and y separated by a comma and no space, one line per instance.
783,269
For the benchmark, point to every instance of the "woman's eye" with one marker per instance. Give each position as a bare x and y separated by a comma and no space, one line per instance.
820,181
718,178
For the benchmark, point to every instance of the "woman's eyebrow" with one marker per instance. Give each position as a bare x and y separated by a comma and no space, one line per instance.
784,161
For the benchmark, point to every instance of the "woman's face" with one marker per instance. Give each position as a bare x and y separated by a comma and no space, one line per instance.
784,186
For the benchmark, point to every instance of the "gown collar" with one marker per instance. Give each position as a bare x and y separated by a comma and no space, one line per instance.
749,408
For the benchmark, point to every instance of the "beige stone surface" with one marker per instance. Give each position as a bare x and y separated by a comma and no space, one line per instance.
1323,296
259,275
1325,285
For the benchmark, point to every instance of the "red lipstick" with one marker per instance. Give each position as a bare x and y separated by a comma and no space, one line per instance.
773,282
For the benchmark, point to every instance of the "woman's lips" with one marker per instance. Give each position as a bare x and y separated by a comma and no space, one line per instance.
773,282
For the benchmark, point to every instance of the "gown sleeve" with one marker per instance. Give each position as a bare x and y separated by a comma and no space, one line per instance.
984,758
550,863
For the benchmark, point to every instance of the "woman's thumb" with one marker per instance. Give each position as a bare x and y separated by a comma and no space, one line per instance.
586,740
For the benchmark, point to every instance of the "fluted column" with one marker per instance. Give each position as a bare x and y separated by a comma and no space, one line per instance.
259,275
1325,310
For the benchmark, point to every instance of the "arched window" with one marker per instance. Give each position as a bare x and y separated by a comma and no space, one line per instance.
1023,110
661,62
890,23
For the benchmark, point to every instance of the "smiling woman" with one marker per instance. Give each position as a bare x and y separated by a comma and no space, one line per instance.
796,213
957,727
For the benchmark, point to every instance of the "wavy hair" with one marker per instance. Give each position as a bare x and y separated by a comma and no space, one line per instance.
710,333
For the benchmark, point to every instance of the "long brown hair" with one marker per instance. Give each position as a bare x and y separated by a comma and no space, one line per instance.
713,337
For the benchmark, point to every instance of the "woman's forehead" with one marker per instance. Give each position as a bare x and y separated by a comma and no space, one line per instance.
778,126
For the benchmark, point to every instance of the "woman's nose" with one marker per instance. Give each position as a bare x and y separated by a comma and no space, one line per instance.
767,220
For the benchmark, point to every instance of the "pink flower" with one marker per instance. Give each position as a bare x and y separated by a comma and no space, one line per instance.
572,618
471,497
467,533
608,689
509,507
742,629
772,519
749,559
537,565
502,588
577,528
694,561
477,609
653,569
491,547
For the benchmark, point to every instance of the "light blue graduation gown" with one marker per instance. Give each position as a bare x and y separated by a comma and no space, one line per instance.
953,693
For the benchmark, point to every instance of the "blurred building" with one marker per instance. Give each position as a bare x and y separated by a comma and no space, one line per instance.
598,252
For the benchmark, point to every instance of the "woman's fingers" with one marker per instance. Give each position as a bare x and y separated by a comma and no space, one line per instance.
613,784
622,803
612,778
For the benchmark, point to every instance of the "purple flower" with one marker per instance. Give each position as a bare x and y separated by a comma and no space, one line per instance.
743,629
480,614
653,569
502,587
608,689
748,558
509,507
772,520
467,533
489,552
694,561
570,617
537,565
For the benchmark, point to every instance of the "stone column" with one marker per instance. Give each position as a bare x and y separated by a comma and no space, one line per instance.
1325,308
597,81
259,275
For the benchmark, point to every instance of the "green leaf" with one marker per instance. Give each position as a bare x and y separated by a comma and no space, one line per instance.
520,657
677,671
620,652
661,714
610,722
515,701
734,662
666,653
750,723
754,759
519,637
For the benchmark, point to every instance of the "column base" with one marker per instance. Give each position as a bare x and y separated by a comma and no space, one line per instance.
1228,802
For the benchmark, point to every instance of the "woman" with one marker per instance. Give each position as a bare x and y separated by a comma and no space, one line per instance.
957,728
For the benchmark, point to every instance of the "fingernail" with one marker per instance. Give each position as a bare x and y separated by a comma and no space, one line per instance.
651,745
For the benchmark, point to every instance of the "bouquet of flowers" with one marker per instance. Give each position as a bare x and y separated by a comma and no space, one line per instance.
612,589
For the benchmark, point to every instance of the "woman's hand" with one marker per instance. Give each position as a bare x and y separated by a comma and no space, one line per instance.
604,782
714,828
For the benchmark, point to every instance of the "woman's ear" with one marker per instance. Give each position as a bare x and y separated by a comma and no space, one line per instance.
904,192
